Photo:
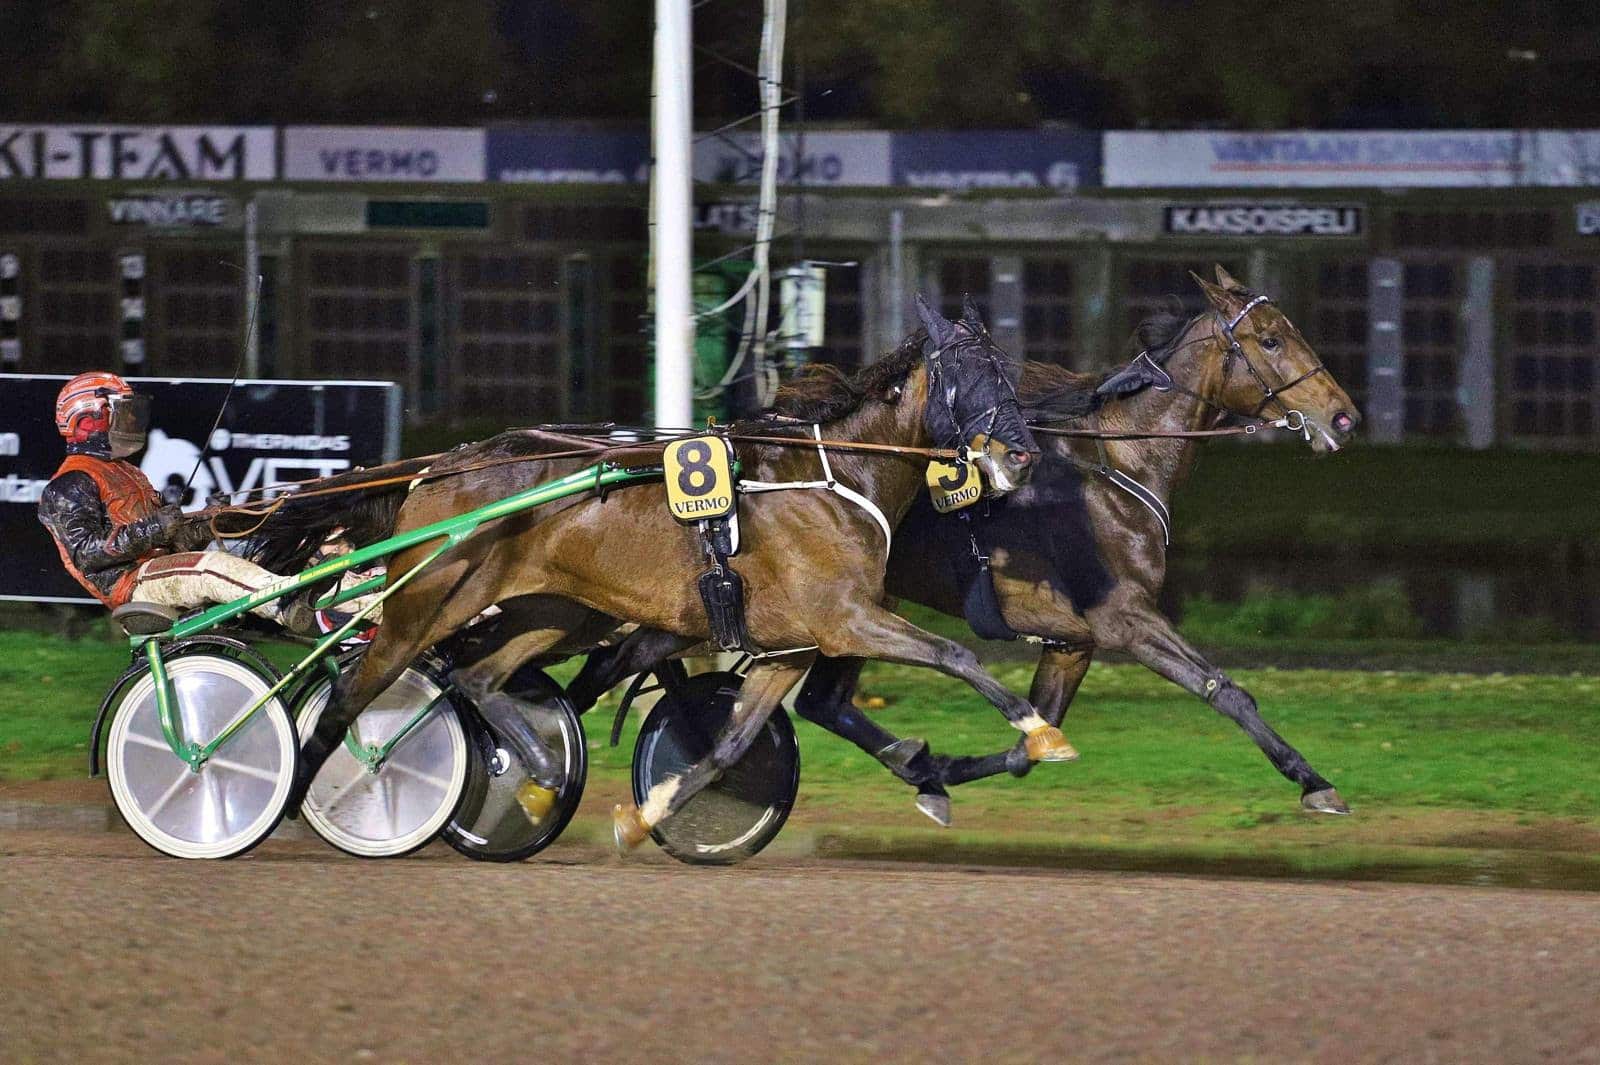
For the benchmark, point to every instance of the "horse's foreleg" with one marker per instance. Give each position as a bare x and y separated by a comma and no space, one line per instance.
764,688
1149,636
875,633
826,700
1061,669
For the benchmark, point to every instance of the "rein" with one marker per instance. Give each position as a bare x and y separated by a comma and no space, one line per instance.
1294,423
265,510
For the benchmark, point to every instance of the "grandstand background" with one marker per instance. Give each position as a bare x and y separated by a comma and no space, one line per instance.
1450,279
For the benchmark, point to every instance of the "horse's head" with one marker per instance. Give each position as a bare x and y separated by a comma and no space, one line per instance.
972,397
1268,368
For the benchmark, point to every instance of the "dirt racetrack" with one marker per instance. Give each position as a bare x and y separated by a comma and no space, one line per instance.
109,952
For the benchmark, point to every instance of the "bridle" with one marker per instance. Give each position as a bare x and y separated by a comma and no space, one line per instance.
977,341
1158,378
1269,393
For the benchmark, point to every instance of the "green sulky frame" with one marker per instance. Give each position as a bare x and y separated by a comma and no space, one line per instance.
451,531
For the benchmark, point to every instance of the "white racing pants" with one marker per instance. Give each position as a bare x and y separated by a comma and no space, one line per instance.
199,578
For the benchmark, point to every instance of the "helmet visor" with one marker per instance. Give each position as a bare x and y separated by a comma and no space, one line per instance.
130,420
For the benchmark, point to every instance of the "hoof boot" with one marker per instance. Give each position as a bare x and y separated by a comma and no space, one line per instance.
628,827
1326,801
536,801
937,807
1047,744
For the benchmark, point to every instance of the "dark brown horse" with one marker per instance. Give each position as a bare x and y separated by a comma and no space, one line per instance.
1078,557
812,561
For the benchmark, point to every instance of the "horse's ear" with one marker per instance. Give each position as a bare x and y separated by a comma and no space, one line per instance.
1226,280
940,330
1219,297
970,315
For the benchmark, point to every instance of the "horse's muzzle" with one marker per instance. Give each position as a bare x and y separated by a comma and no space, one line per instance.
1005,467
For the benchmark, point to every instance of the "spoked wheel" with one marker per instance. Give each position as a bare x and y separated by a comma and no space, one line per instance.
400,774
491,825
744,809
237,796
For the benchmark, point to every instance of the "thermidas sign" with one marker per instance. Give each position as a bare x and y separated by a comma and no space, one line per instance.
138,153
272,432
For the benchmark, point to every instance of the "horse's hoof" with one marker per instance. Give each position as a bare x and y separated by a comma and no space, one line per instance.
899,754
536,801
628,827
1326,801
1047,744
937,807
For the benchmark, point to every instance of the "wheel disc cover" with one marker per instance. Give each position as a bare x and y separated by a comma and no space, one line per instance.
409,799
236,795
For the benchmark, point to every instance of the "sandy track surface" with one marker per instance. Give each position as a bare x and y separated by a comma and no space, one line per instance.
109,952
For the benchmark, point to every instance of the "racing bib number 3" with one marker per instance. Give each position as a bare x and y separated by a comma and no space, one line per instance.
953,485
699,474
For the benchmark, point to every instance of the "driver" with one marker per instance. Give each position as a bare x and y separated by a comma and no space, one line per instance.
115,536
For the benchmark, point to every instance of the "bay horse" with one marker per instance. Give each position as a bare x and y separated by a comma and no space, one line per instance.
1078,556
812,561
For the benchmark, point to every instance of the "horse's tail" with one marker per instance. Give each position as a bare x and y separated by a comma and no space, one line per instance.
286,541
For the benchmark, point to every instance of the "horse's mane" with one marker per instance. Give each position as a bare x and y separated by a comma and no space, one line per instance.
1053,393
823,393
1159,332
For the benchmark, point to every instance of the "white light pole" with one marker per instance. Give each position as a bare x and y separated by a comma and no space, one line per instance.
672,116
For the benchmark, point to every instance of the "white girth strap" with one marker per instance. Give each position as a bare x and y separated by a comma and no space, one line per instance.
831,485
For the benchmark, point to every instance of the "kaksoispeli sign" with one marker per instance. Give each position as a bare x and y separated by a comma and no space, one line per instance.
271,432
1263,220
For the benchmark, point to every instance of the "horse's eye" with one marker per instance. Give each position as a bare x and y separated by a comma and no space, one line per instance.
1270,344
893,394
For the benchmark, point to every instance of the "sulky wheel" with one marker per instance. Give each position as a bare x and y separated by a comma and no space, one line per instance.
236,797
394,783
744,809
491,826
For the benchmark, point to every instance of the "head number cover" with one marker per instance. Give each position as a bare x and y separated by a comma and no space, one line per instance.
699,478
953,485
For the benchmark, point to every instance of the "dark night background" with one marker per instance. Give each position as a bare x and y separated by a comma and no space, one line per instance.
884,63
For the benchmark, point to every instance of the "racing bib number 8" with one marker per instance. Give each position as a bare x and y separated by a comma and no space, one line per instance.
953,485
699,474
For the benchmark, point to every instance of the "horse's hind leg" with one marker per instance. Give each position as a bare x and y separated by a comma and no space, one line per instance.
380,666
764,688
561,623
872,632
642,649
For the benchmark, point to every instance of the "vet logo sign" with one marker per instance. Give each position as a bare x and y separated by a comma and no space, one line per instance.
953,485
699,475
1264,220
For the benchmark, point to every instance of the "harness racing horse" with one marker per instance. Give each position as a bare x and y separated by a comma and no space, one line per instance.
812,558
1078,556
